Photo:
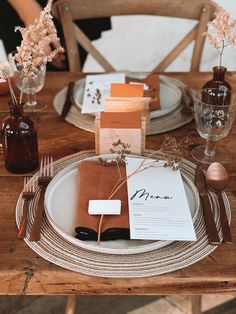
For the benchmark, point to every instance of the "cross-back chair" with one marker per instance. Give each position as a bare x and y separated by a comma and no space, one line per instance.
67,11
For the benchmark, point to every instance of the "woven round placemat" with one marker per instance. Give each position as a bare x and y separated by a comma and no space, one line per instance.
168,122
177,255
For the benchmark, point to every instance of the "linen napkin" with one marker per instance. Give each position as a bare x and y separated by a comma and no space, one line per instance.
96,182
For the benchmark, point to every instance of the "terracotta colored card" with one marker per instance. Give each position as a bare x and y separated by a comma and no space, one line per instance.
126,104
152,82
120,120
126,90
129,127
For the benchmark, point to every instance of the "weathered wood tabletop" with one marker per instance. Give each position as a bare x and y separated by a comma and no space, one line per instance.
22,271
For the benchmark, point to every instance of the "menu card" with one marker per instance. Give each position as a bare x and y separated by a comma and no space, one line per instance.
97,87
158,206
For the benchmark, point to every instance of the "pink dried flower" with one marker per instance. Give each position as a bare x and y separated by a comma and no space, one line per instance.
36,38
6,72
222,31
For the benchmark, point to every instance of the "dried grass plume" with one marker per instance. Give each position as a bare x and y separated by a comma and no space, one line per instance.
222,31
36,38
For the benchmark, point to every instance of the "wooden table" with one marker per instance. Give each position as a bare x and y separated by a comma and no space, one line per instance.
22,271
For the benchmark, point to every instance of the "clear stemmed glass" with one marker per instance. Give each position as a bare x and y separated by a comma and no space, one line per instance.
29,85
214,112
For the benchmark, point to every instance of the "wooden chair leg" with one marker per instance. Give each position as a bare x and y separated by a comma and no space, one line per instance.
195,301
71,303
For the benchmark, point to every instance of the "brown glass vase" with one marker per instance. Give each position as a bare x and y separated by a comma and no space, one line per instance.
19,140
219,84
218,79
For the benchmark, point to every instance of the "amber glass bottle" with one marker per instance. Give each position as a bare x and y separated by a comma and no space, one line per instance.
19,141
218,79
218,83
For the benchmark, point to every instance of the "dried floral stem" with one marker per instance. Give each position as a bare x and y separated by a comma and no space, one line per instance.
21,96
171,151
37,40
109,197
138,170
116,188
99,229
33,52
6,73
118,168
13,96
221,32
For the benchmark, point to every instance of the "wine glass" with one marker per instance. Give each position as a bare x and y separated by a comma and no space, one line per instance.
214,112
29,85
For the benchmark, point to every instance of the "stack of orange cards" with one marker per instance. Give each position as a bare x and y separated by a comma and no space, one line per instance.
125,118
125,127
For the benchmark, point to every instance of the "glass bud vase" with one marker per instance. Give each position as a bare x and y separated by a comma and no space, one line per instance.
19,141
218,83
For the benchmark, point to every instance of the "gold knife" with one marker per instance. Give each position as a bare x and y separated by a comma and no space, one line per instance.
206,205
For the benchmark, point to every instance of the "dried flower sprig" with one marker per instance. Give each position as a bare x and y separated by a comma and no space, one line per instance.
144,165
222,31
36,38
6,73
171,151
121,149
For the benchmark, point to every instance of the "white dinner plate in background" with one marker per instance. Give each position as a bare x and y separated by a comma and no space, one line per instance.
170,95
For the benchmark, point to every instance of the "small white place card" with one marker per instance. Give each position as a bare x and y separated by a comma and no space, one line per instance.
104,207
158,206
97,88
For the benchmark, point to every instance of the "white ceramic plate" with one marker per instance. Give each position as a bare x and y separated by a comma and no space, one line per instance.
61,203
170,95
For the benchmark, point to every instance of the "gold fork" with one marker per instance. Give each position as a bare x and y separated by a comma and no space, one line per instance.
45,176
28,195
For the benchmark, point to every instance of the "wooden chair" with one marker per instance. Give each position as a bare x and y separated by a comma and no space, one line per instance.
69,10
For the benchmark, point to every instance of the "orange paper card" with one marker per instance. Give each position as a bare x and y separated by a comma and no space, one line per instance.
128,127
153,91
121,120
126,90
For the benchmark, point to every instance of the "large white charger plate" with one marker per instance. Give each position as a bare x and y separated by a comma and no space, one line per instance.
61,205
170,95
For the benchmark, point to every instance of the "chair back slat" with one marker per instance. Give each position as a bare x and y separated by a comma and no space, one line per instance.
70,39
90,48
176,51
84,9
205,17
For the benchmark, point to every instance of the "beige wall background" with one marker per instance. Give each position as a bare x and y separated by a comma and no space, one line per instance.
137,43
